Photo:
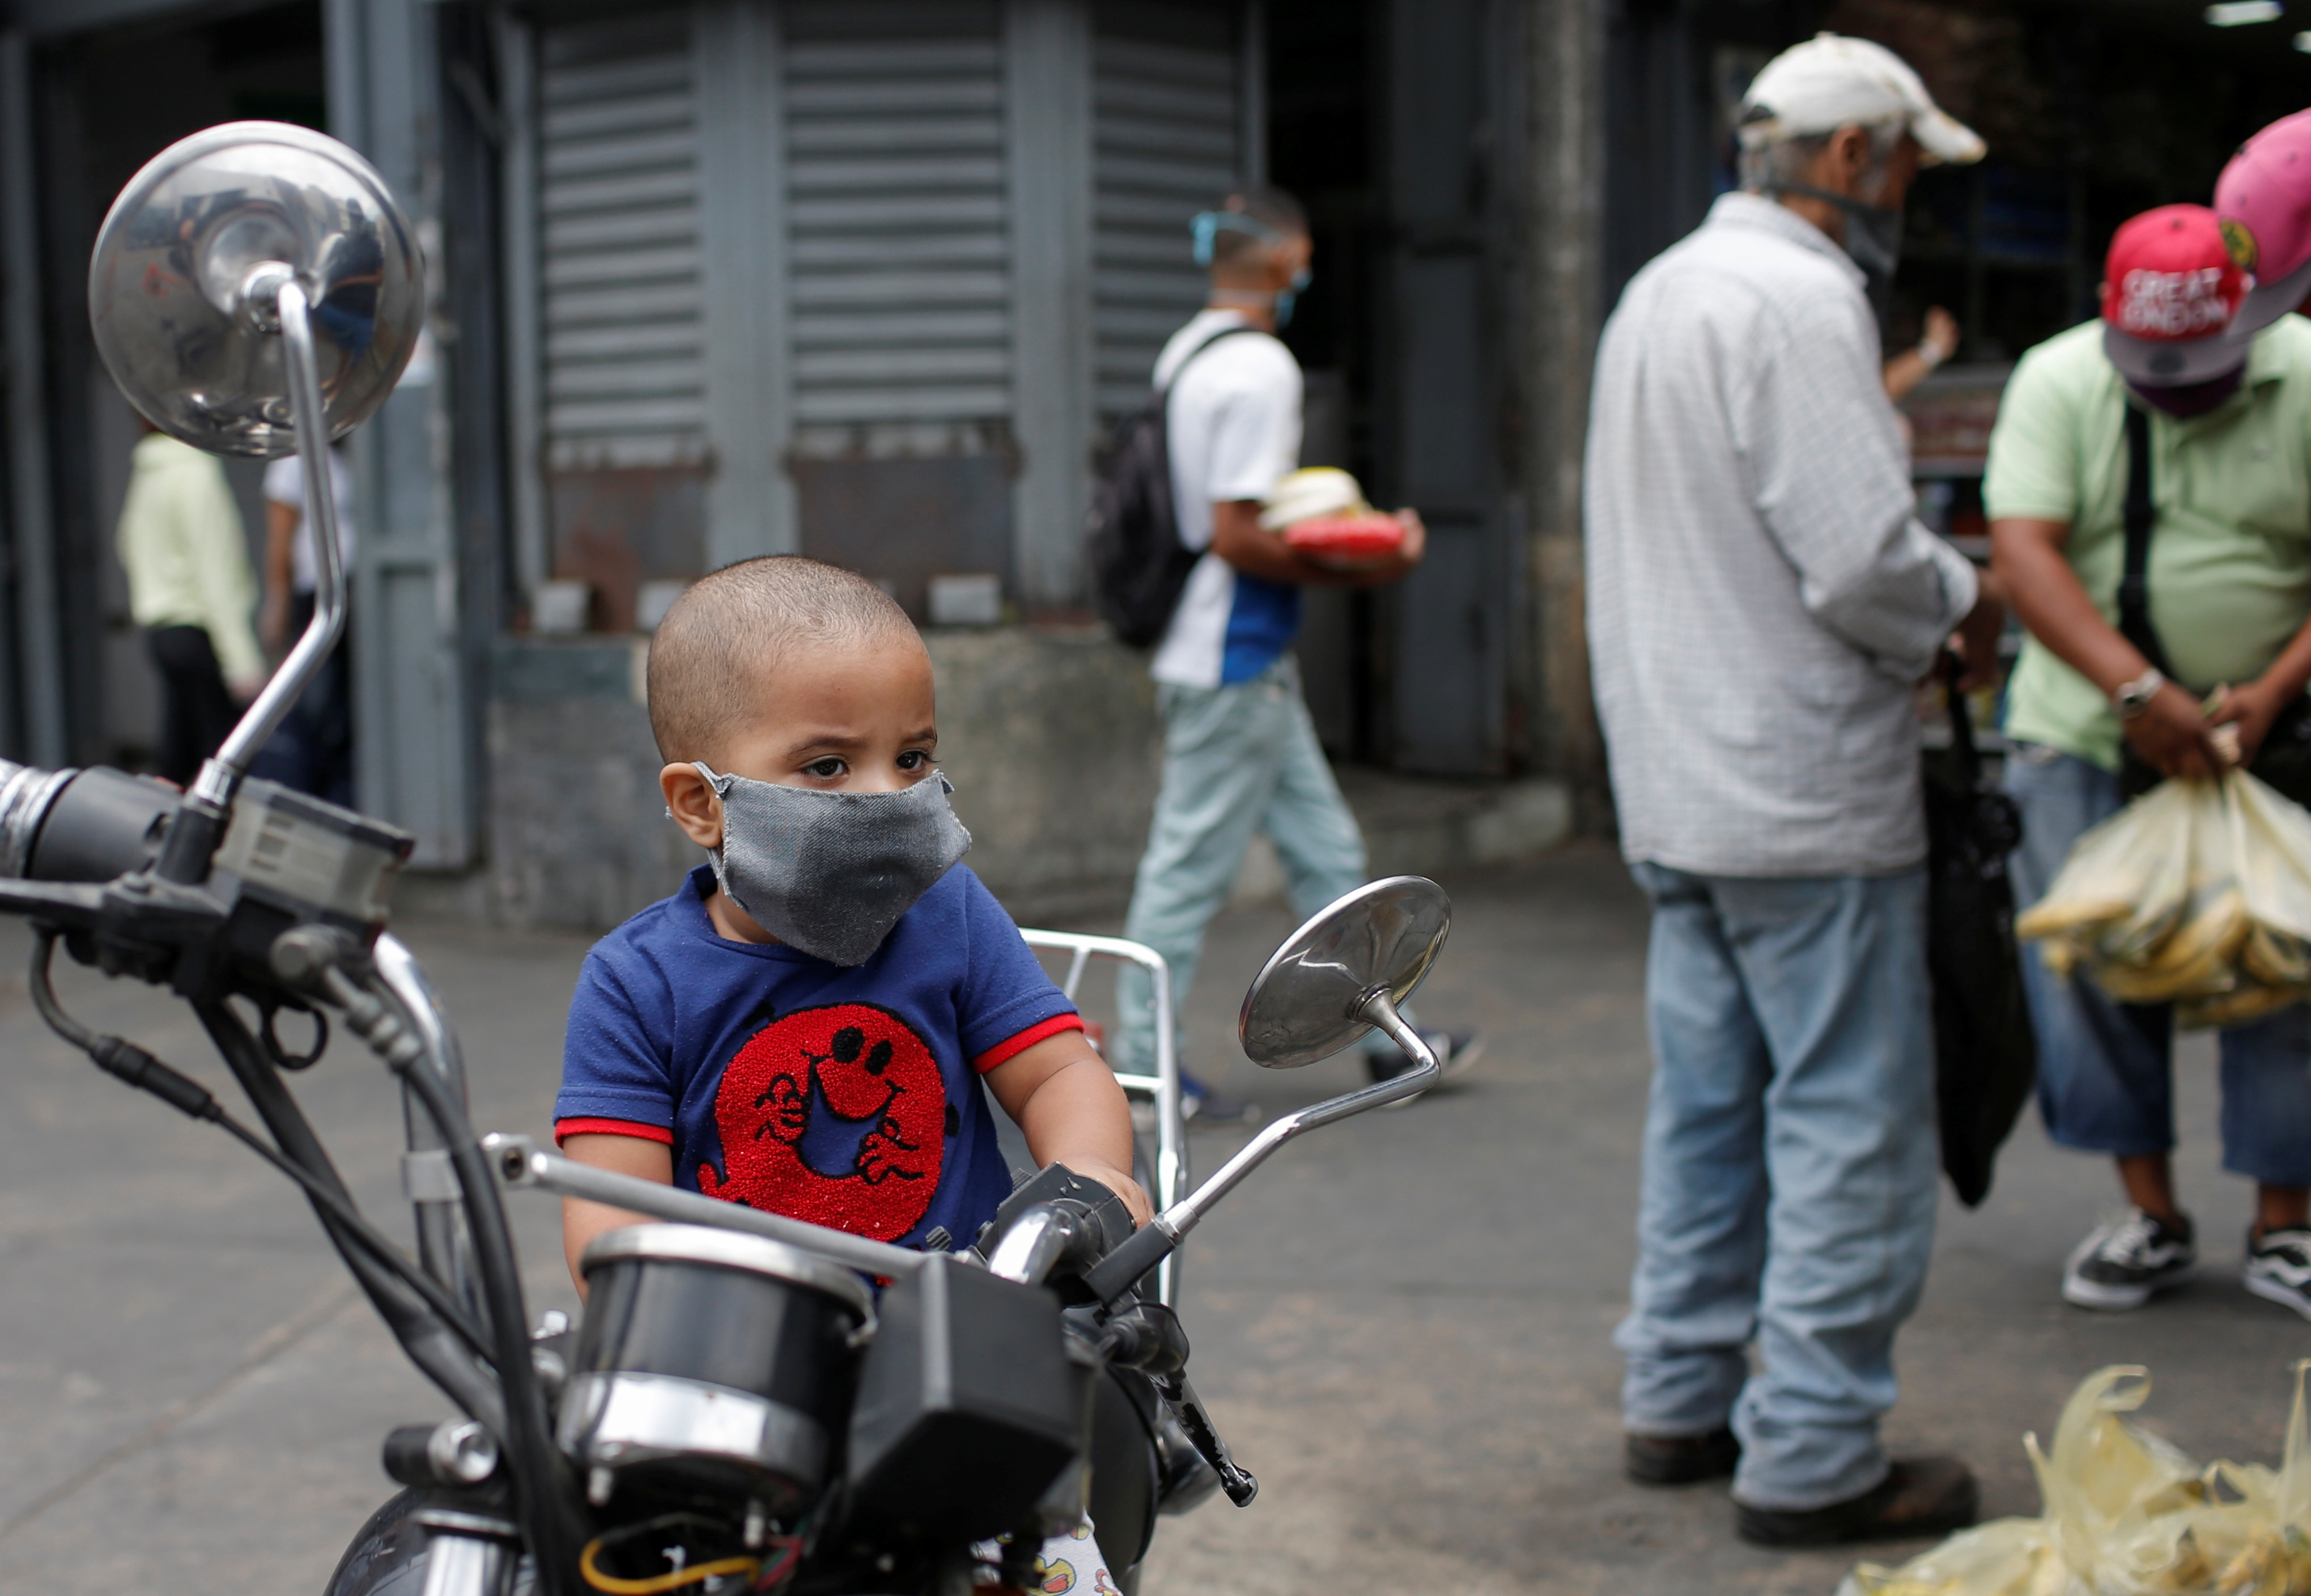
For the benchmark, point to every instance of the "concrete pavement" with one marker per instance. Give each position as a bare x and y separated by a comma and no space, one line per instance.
1401,1324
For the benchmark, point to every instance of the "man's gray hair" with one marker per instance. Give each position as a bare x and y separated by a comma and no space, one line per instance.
1768,165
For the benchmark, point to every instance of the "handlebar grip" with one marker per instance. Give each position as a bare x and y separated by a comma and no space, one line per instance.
1121,1270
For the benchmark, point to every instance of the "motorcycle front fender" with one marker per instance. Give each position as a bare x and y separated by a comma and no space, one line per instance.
392,1555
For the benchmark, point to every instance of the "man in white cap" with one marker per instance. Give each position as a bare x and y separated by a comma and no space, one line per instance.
1761,602
2145,488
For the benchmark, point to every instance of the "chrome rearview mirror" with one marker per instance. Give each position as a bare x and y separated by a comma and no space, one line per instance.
1314,995
255,290
183,287
1335,978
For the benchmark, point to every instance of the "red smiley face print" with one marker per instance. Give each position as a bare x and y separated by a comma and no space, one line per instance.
837,1115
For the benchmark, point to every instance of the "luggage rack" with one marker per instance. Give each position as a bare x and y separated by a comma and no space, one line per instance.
1161,1090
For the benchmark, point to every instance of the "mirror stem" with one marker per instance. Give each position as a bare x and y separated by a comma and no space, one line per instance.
194,836
1121,1269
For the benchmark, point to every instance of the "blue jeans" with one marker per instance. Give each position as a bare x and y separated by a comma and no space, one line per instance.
2106,1069
1236,759
1790,1160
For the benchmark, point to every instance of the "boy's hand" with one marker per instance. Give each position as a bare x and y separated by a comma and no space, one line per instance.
1117,1181
1065,1097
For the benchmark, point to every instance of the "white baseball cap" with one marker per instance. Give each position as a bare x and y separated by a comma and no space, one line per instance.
1832,82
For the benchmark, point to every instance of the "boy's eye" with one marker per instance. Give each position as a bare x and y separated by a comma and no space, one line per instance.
828,768
913,759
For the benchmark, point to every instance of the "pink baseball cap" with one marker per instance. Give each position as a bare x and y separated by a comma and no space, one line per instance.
2264,198
2170,290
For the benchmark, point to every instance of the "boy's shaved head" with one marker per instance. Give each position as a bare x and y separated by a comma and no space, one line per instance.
711,658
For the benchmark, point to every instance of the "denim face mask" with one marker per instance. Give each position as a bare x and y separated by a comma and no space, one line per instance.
831,873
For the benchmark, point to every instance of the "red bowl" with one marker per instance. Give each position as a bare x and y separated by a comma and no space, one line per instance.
1346,536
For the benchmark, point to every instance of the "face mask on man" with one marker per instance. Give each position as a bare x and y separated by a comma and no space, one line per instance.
2185,400
1286,297
1873,240
831,873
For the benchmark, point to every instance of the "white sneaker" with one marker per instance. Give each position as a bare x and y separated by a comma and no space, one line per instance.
2279,1268
2126,1260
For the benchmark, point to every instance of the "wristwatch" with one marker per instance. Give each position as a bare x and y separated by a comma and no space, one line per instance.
2135,697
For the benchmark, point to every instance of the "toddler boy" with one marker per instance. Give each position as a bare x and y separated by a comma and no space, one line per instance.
802,1026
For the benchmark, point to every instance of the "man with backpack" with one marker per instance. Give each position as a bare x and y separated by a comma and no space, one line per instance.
1239,751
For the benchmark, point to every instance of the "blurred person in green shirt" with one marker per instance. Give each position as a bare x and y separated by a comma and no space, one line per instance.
2158,403
181,542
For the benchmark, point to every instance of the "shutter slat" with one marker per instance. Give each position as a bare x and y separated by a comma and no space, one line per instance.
902,289
623,228
854,367
926,207
853,176
904,403
591,157
640,340
624,378
882,59
623,265
841,250
829,328
894,134
666,303
600,118
574,196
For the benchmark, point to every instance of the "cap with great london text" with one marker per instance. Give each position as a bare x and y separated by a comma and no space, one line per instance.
2170,291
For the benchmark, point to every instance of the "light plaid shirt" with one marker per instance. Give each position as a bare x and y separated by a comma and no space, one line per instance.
1761,598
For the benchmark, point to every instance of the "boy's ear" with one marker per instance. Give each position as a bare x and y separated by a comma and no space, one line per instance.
695,806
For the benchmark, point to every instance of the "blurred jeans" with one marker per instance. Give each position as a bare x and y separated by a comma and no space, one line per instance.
1236,759
2106,1070
1790,1171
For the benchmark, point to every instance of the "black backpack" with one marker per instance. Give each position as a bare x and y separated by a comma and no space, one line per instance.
1132,535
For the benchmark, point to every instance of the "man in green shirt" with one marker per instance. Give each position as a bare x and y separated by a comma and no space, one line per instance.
2154,396
189,587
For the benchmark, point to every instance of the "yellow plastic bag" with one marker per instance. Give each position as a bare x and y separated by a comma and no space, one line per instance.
2128,1515
2197,894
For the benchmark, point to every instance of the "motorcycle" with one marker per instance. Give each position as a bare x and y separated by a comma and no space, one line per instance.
749,1402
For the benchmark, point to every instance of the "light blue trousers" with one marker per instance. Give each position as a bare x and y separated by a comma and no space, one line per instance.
1236,759
1789,1182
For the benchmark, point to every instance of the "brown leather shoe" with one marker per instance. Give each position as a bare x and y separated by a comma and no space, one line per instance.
1680,1459
1918,1498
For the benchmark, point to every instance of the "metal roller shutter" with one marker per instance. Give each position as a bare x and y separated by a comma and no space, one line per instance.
897,222
1165,123
620,285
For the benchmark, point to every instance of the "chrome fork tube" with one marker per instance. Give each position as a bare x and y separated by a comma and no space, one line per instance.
427,1180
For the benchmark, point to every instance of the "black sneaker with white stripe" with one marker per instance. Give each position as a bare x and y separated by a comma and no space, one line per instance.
2279,1267
2125,1260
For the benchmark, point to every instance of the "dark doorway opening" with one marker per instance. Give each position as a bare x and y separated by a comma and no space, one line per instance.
107,101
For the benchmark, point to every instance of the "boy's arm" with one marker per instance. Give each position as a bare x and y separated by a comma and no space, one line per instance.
1065,1097
582,1221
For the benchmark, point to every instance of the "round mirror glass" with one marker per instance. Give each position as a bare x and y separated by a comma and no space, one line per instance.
1302,1006
165,285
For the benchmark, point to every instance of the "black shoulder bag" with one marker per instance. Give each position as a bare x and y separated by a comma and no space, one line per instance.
1985,1054
2284,760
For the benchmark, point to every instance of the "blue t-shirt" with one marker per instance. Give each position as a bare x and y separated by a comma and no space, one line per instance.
848,1098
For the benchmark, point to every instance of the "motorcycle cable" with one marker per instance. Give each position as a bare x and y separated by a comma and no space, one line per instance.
133,1065
544,1498
600,1578
470,1382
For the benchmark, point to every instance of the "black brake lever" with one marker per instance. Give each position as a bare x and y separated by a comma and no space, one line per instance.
1237,1482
